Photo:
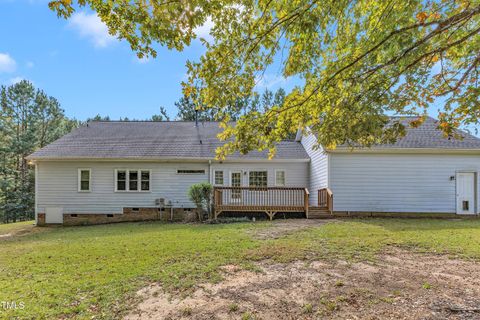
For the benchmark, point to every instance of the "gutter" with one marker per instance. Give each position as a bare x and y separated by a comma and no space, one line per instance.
182,159
404,150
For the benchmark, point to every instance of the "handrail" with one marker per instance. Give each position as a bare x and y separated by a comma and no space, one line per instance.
260,188
261,198
325,199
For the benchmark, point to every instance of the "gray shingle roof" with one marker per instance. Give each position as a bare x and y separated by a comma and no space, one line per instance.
429,136
426,136
151,140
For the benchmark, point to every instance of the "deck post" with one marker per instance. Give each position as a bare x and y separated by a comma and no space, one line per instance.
306,200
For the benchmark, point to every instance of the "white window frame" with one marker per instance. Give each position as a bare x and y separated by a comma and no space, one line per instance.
79,182
214,177
127,180
284,178
257,170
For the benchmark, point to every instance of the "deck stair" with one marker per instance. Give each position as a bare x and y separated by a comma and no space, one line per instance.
319,213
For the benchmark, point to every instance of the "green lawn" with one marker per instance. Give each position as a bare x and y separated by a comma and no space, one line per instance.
80,272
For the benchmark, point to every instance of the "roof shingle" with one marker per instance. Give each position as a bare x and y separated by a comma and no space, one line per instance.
429,136
151,140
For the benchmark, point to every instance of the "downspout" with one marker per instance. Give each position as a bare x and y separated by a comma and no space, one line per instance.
210,171
36,193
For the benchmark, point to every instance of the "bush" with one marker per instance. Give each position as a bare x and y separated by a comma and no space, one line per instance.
201,195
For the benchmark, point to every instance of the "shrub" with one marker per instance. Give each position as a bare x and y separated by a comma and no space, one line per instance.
201,195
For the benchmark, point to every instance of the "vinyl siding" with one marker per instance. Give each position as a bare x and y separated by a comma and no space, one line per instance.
57,186
398,182
296,173
318,167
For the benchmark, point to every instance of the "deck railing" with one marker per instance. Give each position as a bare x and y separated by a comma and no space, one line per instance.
325,199
254,199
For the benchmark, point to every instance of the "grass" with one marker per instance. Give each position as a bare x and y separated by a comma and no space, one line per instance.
363,239
85,272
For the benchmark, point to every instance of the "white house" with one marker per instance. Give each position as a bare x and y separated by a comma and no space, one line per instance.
130,171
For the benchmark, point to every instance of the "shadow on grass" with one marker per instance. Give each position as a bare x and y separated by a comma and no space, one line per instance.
126,229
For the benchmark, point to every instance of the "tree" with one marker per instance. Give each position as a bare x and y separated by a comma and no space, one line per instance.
187,109
98,117
187,106
29,119
201,195
359,60
163,116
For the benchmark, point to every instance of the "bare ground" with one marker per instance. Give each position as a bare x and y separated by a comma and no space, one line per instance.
400,285
21,231
281,228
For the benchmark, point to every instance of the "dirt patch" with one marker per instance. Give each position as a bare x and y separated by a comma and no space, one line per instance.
401,285
281,228
21,231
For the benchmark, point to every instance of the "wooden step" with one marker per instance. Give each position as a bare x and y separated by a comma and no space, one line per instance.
319,213
321,216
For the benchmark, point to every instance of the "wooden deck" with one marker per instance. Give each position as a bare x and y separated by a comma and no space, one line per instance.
270,200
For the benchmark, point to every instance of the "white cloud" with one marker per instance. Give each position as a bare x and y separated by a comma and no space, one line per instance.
16,80
30,64
7,64
90,26
203,31
267,81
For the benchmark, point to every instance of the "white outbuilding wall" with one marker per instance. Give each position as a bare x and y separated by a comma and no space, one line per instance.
399,182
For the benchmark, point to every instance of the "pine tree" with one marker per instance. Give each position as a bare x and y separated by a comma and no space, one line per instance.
29,120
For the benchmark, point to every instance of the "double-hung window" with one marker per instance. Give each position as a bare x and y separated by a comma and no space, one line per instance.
258,179
133,180
219,178
84,180
280,178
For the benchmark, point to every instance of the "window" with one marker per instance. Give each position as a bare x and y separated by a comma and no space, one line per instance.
121,180
84,178
145,178
132,180
182,171
218,177
257,179
280,178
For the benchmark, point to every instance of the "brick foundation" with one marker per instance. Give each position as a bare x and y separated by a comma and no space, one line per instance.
41,219
129,215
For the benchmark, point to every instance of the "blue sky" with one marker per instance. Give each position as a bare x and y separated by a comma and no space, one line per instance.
87,70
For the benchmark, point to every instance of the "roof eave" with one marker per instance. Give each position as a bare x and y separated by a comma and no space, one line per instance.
164,159
404,150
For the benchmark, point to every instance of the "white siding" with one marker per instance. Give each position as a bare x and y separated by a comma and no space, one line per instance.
296,173
318,167
57,186
398,182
